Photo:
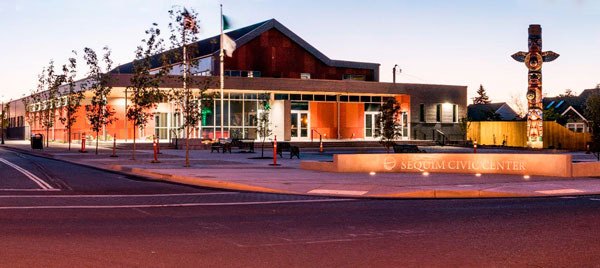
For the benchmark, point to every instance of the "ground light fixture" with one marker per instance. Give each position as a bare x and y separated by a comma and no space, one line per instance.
526,177
425,173
477,174
372,173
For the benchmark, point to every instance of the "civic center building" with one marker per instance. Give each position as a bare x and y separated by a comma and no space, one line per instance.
309,94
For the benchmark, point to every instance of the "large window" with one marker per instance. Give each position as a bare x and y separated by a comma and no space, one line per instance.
438,113
421,112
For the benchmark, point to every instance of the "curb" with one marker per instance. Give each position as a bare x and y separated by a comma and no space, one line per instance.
225,185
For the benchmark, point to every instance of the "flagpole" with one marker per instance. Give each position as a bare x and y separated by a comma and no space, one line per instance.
222,71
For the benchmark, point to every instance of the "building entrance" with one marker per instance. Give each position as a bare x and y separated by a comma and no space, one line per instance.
371,124
299,125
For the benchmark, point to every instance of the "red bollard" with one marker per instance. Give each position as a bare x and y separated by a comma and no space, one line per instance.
274,152
155,149
114,154
157,145
82,144
475,147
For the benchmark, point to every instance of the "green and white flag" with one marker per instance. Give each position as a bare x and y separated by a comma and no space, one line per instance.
226,22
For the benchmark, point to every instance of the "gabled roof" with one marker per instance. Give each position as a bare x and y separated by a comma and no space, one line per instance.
561,104
210,47
482,112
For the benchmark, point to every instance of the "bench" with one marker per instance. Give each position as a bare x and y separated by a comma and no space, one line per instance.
245,146
222,145
286,146
407,148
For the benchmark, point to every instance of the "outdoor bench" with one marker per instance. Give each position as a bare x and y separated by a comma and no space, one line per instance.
222,145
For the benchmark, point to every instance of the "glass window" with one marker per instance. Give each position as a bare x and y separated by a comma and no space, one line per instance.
235,96
299,105
236,113
344,98
365,98
354,99
218,113
235,73
319,97
208,116
422,112
250,108
244,73
236,133
295,97
376,99
307,97
455,113
330,98
438,112
372,107
256,74
281,96
250,133
250,96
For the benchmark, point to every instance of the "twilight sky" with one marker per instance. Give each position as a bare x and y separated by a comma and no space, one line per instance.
459,42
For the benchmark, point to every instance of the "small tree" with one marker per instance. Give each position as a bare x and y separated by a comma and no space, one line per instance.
263,126
74,98
50,82
592,109
98,112
184,34
465,125
482,97
389,127
145,86
4,120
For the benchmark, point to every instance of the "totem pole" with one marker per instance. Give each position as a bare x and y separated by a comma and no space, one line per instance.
533,60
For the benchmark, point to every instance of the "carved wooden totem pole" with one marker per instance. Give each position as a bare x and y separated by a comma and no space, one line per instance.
533,60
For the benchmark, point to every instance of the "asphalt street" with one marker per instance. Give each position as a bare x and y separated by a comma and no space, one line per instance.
55,214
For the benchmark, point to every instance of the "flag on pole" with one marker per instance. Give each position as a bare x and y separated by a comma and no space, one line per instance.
189,22
228,45
226,22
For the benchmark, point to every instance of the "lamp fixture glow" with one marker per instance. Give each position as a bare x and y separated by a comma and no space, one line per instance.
372,173
425,173
477,174
526,177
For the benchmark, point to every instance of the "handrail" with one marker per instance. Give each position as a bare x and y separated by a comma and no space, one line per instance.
312,134
444,137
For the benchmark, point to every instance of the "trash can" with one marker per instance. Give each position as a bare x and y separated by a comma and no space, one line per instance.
37,141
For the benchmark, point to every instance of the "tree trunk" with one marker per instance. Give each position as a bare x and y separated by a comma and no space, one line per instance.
133,151
69,138
47,139
97,132
187,147
262,149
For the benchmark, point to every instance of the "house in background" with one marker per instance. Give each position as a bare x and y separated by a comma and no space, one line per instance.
570,110
499,111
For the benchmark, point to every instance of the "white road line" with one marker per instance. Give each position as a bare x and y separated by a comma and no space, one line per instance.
177,205
338,192
34,178
594,199
113,195
560,191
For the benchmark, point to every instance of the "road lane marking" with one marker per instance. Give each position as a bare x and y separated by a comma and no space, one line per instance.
41,183
178,205
560,191
114,195
594,199
338,192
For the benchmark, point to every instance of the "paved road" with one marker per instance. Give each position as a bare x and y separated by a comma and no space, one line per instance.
97,219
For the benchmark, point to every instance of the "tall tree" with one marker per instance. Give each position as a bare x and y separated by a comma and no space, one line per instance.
568,93
184,35
263,126
145,87
74,98
592,110
389,128
482,97
98,112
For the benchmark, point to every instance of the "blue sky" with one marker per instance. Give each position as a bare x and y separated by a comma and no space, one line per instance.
439,42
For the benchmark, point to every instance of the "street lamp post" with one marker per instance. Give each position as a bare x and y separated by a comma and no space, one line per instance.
394,72
2,122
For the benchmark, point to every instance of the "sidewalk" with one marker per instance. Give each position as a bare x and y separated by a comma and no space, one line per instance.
236,171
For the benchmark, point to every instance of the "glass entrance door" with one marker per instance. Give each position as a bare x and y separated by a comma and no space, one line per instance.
300,125
371,124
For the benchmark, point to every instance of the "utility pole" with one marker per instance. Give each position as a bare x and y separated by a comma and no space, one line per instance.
2,122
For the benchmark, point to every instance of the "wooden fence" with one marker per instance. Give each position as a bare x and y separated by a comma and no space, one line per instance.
513,133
